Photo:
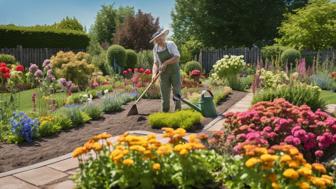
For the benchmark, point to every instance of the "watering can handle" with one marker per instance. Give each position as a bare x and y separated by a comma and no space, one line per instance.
204,91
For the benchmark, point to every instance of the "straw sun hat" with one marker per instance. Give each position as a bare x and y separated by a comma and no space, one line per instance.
159,33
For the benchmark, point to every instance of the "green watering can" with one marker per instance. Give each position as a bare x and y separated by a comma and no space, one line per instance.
206,105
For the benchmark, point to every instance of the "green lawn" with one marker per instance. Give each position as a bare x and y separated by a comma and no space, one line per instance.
24,99
329,97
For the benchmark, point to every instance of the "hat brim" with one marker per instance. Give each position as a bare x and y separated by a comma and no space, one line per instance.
164,32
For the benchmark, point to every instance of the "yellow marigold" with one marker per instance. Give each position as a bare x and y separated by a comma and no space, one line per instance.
104,135
304,185
285,158
164,149
319,182
328,179
275,185
293,164
180,132
156,166
305,171
308,165
128,162
252,162
290,173
151,137
261,150
293,151
138,148
78,151
89,144
184,152
319,167
268,157
193,138
197,145
97,147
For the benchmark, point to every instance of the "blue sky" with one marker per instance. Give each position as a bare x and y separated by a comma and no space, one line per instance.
32,12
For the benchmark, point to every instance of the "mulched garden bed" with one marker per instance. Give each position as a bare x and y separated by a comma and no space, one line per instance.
14,156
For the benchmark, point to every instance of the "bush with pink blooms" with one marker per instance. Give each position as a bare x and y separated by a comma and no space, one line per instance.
271,123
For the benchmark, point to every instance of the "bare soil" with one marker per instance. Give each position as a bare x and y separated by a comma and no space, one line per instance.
14,156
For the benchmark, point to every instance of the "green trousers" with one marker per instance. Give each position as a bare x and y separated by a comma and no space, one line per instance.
169,79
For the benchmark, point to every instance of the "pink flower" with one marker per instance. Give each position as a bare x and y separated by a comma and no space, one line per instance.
136,70
129,69
148,71
141,70
125,72
195,73
319,153
2,64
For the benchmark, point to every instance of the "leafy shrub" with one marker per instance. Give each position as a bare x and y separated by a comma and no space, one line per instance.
145,59
41,37
290,56
272,52
323,80
114,103
272,123
100,62
185,119
271,79
131,58
74,113
7,58
227,69
79,98
116,57
280,166
192,65
73,67
246,82
220,93
63,120
93,110
48,126
23,127
297,94
145,162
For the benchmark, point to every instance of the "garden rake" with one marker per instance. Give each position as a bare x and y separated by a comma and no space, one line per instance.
134,109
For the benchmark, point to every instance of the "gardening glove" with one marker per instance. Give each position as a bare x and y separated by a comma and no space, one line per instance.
163,67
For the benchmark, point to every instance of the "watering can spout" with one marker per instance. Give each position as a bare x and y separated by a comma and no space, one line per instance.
193,106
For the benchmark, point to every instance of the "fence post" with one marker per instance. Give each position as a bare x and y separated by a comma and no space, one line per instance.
19,49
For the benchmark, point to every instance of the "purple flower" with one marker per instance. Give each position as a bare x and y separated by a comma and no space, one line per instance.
319,153
46,62
38,73
33,68
63,82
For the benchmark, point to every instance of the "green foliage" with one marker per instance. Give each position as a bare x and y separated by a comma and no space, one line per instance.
219,23
116,57
68,23
74,113
100,62
93,110
189,49
271,79
323,80
42,37
114,103
192,65
272,52
63,120
290,56
145,59
48,126
7,58
296,93
312,27
131,58
185,119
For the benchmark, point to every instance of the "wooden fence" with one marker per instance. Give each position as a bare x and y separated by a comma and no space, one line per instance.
26,56
208,57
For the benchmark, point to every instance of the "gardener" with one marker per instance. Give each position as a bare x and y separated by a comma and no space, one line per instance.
166,60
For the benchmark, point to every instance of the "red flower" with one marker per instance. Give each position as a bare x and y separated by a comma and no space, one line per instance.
195,73
3,69
19,68
148,71
141,70
2,64
6,75
129,69
136,69
125,72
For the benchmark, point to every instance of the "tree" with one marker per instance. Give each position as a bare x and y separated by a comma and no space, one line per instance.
70,23
220,23
136,32
312,27
107,19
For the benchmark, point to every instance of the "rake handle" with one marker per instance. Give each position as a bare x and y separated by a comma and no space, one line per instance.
150,84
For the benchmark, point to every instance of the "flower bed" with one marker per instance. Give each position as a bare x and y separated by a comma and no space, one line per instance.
271,123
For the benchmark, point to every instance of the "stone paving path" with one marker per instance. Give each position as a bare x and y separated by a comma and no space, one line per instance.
56,173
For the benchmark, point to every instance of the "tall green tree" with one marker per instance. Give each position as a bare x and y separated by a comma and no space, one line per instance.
312,27
220,23
107,20
70,23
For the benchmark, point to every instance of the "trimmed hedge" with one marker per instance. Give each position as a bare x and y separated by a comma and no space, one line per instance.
192,65
131,58
41,37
